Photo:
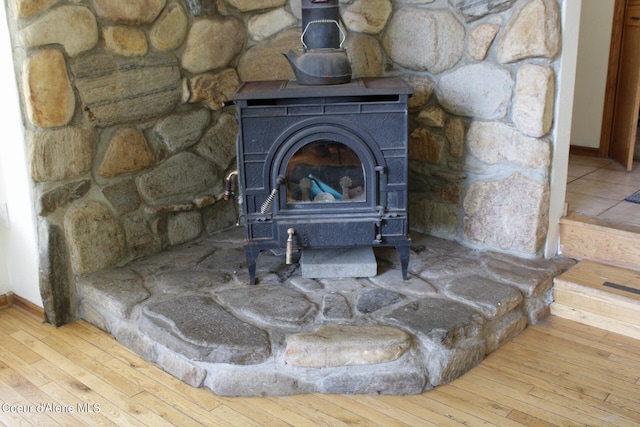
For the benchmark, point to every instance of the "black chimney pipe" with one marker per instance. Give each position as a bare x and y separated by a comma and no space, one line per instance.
319,31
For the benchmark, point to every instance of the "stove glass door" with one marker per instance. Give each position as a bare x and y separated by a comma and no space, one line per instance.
325,172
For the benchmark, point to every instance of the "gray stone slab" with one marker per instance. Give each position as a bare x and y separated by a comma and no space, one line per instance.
269,304
392,280
117,291
200,329
182,369
257,382
476,9
338,263
440,320
399,382
445,365
491,298
335,307
375,299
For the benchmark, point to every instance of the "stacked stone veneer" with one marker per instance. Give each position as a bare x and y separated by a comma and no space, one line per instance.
130,135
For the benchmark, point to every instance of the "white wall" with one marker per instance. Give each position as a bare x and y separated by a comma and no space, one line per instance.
18,243
596,18
4,272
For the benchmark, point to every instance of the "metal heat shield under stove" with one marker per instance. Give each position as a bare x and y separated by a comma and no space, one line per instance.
323,166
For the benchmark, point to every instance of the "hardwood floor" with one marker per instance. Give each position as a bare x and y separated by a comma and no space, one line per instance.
555,373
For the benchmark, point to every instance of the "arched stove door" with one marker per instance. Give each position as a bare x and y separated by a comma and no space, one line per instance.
327,171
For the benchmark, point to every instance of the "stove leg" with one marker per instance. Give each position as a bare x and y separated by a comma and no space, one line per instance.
251,253
403,253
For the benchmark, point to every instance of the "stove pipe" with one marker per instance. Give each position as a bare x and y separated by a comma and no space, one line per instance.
318,17
324,60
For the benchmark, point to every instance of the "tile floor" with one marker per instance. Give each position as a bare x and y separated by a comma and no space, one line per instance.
597,187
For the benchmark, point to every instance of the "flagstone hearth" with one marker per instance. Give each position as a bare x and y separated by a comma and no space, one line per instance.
191,311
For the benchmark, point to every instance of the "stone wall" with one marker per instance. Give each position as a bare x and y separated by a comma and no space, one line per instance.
130,135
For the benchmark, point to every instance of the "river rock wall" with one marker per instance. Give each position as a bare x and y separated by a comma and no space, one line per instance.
130,132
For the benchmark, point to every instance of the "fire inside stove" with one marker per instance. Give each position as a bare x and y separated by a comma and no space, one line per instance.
323,166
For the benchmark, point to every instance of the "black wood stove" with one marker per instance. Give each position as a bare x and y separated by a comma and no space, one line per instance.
323,166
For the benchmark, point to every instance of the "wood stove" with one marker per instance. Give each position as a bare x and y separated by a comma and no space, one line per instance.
323,166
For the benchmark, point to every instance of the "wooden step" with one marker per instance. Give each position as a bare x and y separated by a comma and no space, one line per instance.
582,237
599,295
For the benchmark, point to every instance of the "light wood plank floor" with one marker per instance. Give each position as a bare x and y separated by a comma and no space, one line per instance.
555,373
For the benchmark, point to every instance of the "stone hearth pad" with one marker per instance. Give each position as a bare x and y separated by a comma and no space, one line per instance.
190,310
338,263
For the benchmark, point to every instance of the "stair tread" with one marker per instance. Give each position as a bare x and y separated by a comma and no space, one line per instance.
594,276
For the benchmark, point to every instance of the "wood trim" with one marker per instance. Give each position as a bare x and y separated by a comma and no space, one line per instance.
625,116
29,307
612,77
632,16
6,300
584,151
